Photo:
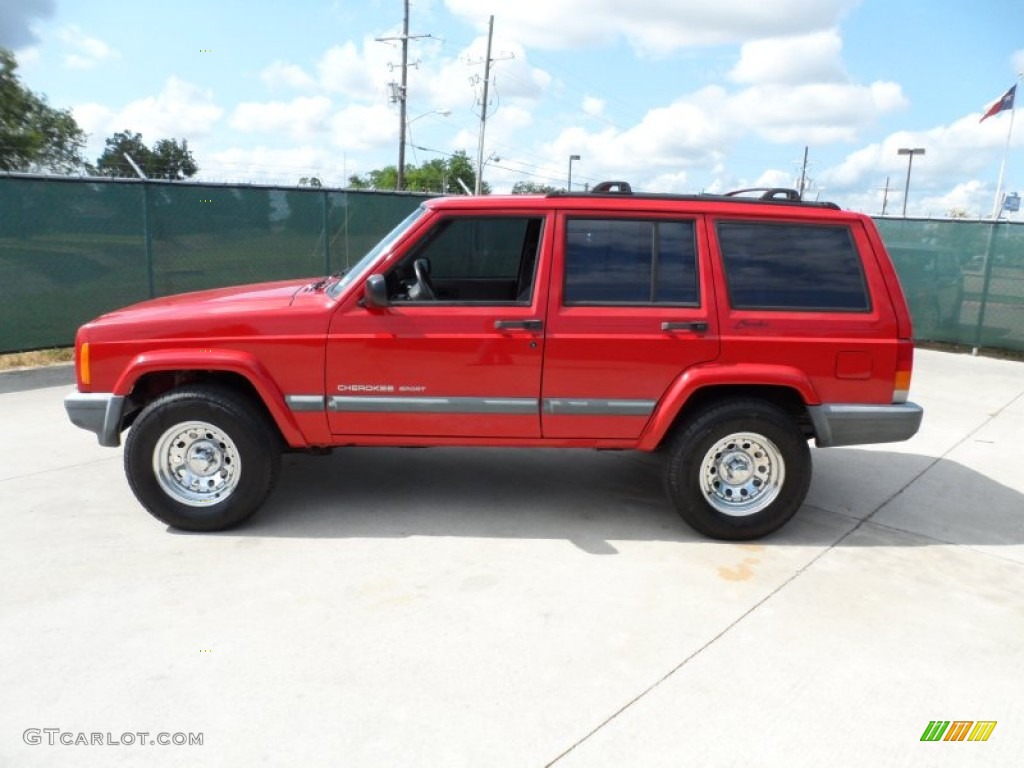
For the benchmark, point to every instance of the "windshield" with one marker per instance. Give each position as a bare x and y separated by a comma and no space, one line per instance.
361,266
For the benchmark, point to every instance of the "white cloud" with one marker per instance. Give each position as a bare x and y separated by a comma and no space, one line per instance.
359,74
86,52
774,178
965,147
281,74
456,83
299,118
275,166
180,110
814,113
360,127
672,182
1017,59
652,26
699,130
28,57
357,127
813,58
593,106
973,196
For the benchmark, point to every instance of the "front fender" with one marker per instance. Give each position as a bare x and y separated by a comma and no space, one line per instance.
229,360
716,375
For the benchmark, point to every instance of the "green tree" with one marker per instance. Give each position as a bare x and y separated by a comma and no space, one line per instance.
113,161
532,188
381,178
461,167
438,175
166,160
172,160
34,135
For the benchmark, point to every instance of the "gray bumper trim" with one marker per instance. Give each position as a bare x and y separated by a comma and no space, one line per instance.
97,412
855,424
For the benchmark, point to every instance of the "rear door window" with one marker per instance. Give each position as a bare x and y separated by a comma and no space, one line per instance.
628,261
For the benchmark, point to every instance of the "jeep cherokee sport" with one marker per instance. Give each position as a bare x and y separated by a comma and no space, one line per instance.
723,331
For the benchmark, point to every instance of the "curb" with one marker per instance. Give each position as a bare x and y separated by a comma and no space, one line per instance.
22,379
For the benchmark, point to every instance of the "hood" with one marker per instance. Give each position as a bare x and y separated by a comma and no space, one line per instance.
217,301
240,309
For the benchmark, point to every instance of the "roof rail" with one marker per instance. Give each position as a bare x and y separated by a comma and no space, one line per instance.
769,193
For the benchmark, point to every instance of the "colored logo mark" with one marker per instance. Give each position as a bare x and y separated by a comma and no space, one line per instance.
958,730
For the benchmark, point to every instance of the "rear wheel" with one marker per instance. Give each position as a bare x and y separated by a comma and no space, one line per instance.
739,470
202,458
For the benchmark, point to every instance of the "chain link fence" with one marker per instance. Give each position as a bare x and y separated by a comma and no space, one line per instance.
71,249
964,280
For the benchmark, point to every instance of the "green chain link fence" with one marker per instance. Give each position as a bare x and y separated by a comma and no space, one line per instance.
71,249
964,280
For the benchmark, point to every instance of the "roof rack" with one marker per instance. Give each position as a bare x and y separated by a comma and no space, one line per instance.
770,195
616,187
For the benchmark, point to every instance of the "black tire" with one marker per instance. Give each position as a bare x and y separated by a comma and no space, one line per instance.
765,456
215,471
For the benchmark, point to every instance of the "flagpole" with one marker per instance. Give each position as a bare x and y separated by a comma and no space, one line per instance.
997,206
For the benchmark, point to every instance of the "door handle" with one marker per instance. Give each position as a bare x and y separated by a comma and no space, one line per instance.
518,325
699,327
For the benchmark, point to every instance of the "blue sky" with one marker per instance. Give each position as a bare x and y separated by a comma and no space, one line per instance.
680,95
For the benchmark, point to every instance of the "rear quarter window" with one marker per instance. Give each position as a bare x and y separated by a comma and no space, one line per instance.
792,266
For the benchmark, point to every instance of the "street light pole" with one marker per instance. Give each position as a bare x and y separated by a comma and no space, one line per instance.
910,164
568,187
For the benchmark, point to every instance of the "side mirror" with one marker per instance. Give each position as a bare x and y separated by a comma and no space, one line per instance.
375,291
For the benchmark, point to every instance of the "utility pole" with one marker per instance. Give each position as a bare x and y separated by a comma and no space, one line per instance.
401,93
803,174
885,195
483,111
400,177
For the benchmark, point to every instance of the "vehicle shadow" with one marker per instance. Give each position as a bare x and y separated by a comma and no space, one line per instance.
592,498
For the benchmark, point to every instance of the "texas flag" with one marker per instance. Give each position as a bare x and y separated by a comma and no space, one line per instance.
1004,103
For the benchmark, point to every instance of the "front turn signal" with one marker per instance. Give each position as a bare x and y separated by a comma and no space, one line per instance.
84,374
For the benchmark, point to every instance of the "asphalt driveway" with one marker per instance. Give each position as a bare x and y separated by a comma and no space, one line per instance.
452,607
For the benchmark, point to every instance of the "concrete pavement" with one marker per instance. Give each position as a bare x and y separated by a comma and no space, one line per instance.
452,607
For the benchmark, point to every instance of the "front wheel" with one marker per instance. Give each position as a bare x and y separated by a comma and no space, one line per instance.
202,458
739,470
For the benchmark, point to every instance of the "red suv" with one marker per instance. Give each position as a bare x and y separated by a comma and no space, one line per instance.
723,331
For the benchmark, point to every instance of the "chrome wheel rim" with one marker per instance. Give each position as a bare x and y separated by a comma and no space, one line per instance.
742,474
197,464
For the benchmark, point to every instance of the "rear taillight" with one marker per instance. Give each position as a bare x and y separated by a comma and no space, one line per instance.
904,365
